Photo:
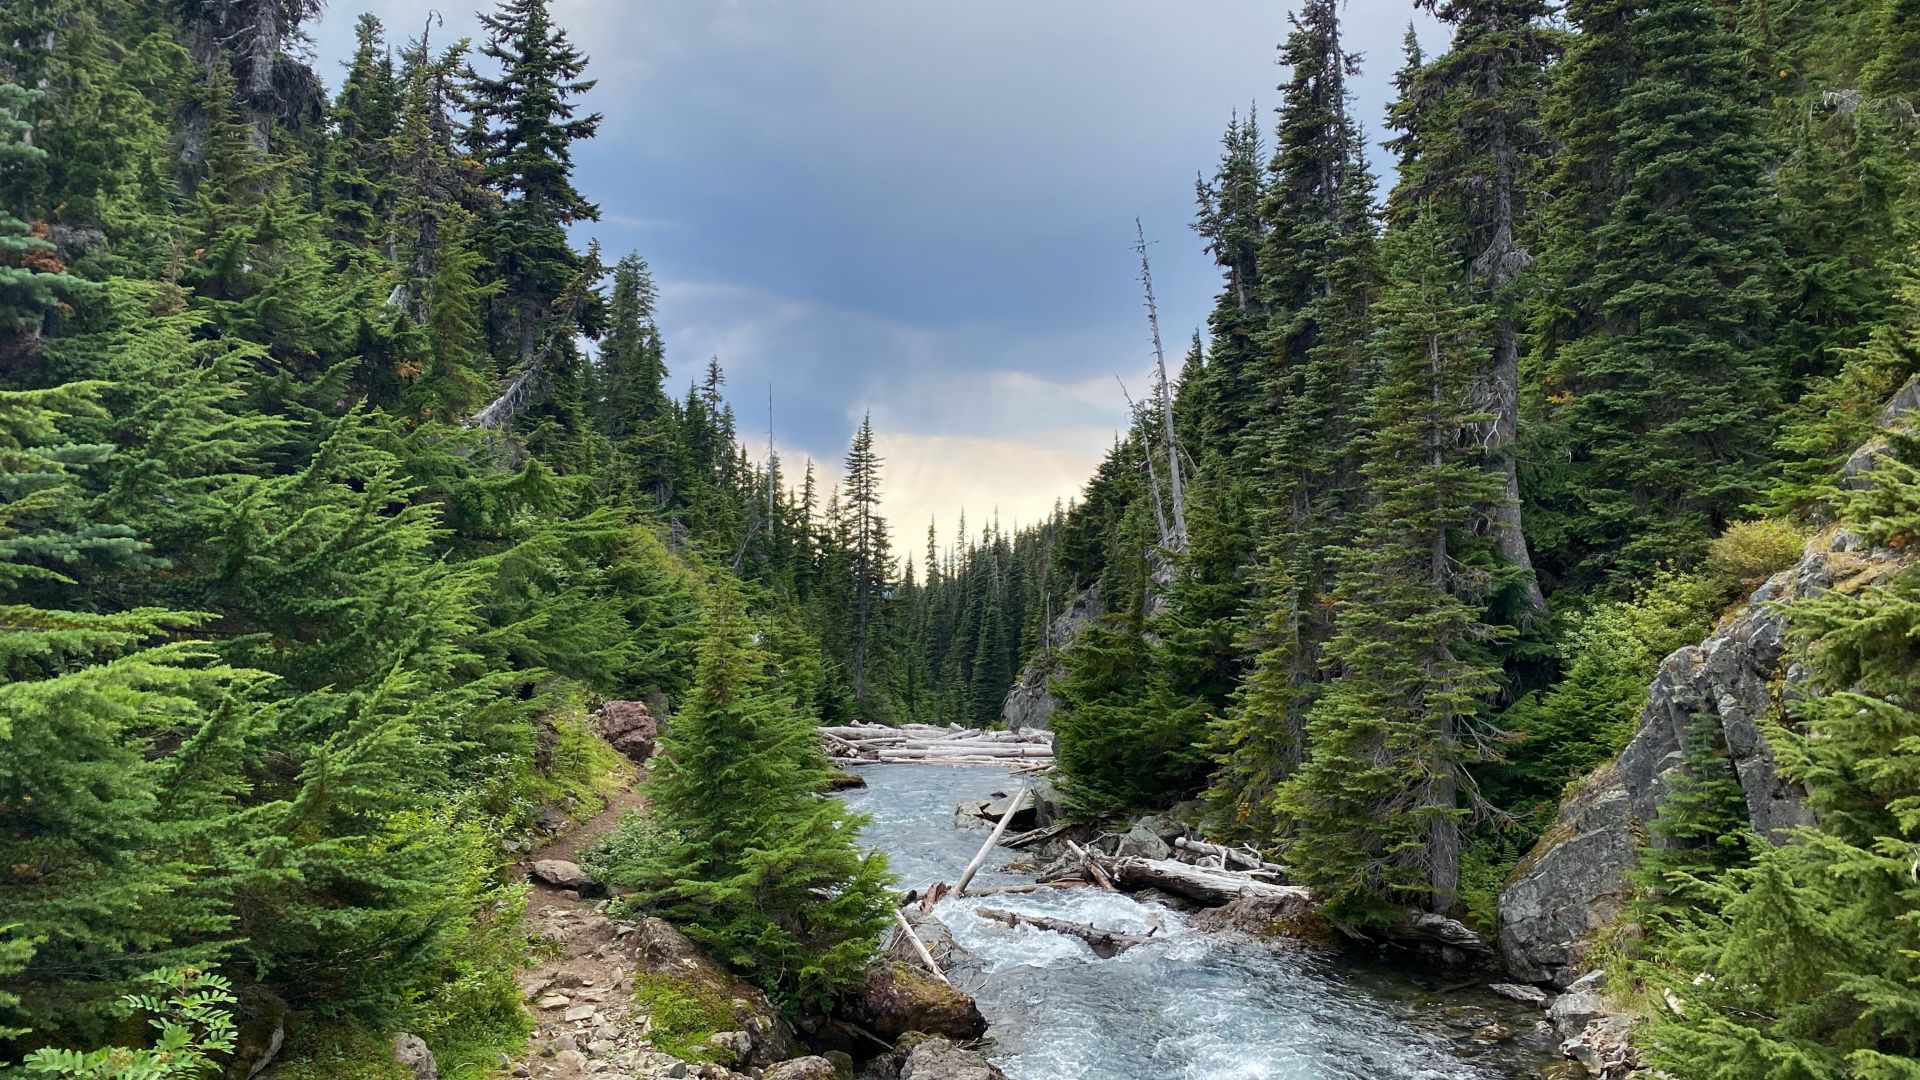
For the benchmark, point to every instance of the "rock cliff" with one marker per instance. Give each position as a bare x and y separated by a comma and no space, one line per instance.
1029,704
1575,880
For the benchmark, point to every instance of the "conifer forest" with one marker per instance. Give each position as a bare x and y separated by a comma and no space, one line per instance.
1525,546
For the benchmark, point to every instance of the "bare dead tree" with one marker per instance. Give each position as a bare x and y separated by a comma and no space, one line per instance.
1153,472
1176,492
524,388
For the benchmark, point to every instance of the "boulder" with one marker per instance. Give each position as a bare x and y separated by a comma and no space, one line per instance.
260,1017
806,1068
997,809
561,874
897,998
660,949
1143,842
953,958
845,780
629,727
938,1059
1604,1047
410,1053
1524,994
972,814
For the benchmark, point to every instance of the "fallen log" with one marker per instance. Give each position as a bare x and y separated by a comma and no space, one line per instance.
1106,944
1034,836
1213,887
925,751
999,830
919,947
1094,870
1229,855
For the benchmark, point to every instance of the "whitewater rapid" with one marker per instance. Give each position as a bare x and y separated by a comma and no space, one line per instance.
1186,1006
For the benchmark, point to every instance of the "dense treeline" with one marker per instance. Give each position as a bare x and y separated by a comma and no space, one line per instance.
1471,455
322,526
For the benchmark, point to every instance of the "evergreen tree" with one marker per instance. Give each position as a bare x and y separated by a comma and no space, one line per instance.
1317,275
524,131
365,118
32,278
1656,330
759,869
1378,797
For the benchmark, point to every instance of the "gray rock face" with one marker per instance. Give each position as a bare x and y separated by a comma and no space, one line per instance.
1575,880
1028,704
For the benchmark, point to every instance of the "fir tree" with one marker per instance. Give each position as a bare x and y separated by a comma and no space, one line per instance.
760,870
525,128
1379,796
1654,337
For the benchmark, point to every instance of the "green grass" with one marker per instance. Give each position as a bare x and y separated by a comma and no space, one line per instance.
685,1015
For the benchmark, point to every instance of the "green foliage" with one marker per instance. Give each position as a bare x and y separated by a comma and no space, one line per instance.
188,1010
1747,553
1803,964
756,866
1610,651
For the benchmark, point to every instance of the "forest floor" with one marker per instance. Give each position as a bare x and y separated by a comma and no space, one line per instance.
580,991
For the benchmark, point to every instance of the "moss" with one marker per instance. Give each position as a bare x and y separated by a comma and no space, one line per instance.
338,1051
684,1014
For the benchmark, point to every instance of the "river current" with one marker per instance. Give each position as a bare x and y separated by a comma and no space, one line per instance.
1192,1006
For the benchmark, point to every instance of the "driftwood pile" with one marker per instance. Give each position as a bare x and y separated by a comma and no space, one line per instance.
925,744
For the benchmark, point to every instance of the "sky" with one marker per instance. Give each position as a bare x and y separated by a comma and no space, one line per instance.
922,210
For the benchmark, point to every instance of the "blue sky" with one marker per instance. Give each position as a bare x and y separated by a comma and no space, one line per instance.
923,209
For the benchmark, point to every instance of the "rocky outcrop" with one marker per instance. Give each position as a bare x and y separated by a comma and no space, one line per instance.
1030,704
1576,878
629,727
897,998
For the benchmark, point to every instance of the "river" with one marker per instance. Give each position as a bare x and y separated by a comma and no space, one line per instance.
1191,1007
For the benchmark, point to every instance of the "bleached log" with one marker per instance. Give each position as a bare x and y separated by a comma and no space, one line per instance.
1212,887
999,830
1094,870
919,947
985,750
1106,944
1230,855
1034,836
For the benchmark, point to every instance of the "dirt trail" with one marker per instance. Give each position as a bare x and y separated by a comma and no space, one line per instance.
581,993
